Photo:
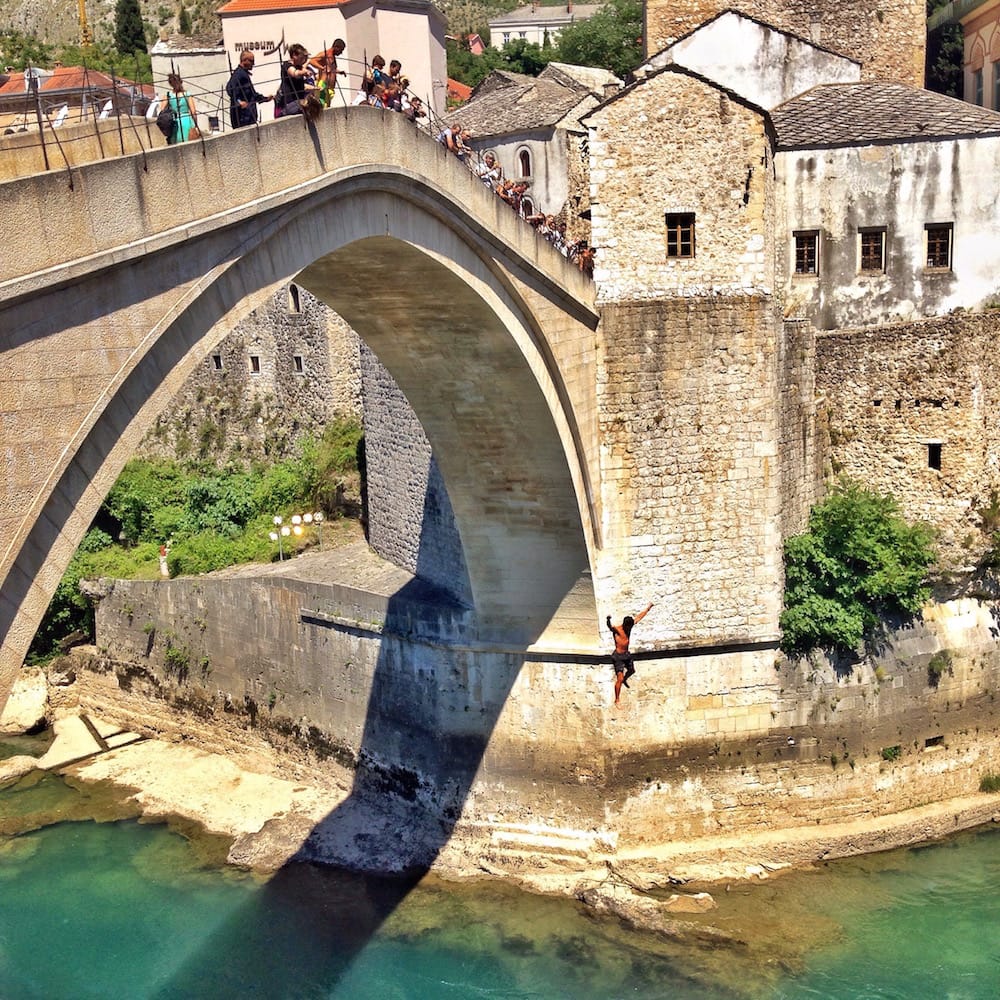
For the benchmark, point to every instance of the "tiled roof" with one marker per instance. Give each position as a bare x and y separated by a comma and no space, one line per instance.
512,102
69,78
262,6
458,91
545,15
854,114
188,43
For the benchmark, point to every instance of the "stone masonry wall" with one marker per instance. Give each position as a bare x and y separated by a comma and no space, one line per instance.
409,515
703,745
896,394
888,38
648,155
690,476
800,482
307,371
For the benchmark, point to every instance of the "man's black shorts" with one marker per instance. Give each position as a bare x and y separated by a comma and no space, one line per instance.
621,662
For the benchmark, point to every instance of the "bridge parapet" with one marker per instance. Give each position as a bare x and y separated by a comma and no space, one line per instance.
138,203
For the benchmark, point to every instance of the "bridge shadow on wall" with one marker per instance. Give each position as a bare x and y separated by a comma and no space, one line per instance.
429,720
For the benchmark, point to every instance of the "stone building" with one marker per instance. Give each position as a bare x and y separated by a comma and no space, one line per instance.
286,370
744,204
537,25
889,39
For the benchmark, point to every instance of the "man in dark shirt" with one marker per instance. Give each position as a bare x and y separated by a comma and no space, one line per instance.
244,99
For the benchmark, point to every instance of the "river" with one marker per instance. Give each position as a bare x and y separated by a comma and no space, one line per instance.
96,904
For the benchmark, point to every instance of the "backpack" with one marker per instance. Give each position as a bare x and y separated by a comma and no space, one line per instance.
166,120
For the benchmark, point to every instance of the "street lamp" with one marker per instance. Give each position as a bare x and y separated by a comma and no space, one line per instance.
276,536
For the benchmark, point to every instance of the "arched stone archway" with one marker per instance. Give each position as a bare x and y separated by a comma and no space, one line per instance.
505,424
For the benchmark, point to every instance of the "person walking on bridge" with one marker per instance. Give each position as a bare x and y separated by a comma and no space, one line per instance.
621,658
242,95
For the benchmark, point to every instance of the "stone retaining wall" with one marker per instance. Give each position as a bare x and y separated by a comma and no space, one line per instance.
705,744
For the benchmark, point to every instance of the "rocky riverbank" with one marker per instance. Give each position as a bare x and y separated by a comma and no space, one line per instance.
269,807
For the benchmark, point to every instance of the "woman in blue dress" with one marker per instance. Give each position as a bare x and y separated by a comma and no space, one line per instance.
182,105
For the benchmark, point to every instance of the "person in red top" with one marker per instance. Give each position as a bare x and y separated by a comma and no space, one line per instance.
621,658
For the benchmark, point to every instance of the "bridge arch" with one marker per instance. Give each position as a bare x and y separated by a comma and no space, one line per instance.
469,327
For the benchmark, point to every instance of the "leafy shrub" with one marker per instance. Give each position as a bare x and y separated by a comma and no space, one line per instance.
858,561
891,753
989,782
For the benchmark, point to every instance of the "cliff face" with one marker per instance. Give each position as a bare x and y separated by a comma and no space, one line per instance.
56,22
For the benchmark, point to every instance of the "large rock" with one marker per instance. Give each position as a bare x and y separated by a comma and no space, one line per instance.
28,703
16,767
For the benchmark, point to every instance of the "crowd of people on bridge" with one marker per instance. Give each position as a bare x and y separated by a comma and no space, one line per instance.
310,84
515,193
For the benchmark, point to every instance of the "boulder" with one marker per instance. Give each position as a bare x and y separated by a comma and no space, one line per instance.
642,912
14,768
26,708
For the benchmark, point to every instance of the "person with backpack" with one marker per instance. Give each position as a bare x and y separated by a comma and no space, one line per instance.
180,104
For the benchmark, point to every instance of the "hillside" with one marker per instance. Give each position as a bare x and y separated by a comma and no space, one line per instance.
55,21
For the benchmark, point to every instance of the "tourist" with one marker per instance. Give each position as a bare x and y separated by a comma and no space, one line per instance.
488,171
296,83
182,105
450,138
242,95
325,66
413,108
621,658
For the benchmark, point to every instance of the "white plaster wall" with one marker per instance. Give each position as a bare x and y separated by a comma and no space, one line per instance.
205,74
902,187
549,168
765,66
416,38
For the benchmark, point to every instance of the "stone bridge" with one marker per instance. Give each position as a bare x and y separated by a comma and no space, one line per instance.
598,453
116,285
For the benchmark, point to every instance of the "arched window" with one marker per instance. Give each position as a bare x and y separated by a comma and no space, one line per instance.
527,207
294,305
524,162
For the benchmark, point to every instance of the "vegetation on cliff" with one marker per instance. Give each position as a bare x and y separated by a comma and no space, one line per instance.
210,517
858,562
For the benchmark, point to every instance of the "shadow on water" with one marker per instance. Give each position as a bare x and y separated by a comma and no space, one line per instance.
410,784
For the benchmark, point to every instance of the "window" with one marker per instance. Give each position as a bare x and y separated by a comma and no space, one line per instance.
871,253
977,87
294,305
217,362
298,364
996,85
506,37
524,162
680,234
939,243
527,207
522,34
254,364
934,455
807,252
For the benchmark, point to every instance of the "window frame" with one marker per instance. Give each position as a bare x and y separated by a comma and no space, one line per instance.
977,86
938,229
680,232
799,236
254,363
866,233
996,85
524,158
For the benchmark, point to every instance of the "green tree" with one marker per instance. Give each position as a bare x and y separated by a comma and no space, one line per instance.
945,55
21,50
529,58
467,68
184,21
858,561
130,36
611,39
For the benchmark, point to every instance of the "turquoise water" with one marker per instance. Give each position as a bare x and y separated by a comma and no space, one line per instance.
113,908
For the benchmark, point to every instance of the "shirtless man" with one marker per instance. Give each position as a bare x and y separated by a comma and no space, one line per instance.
621,658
